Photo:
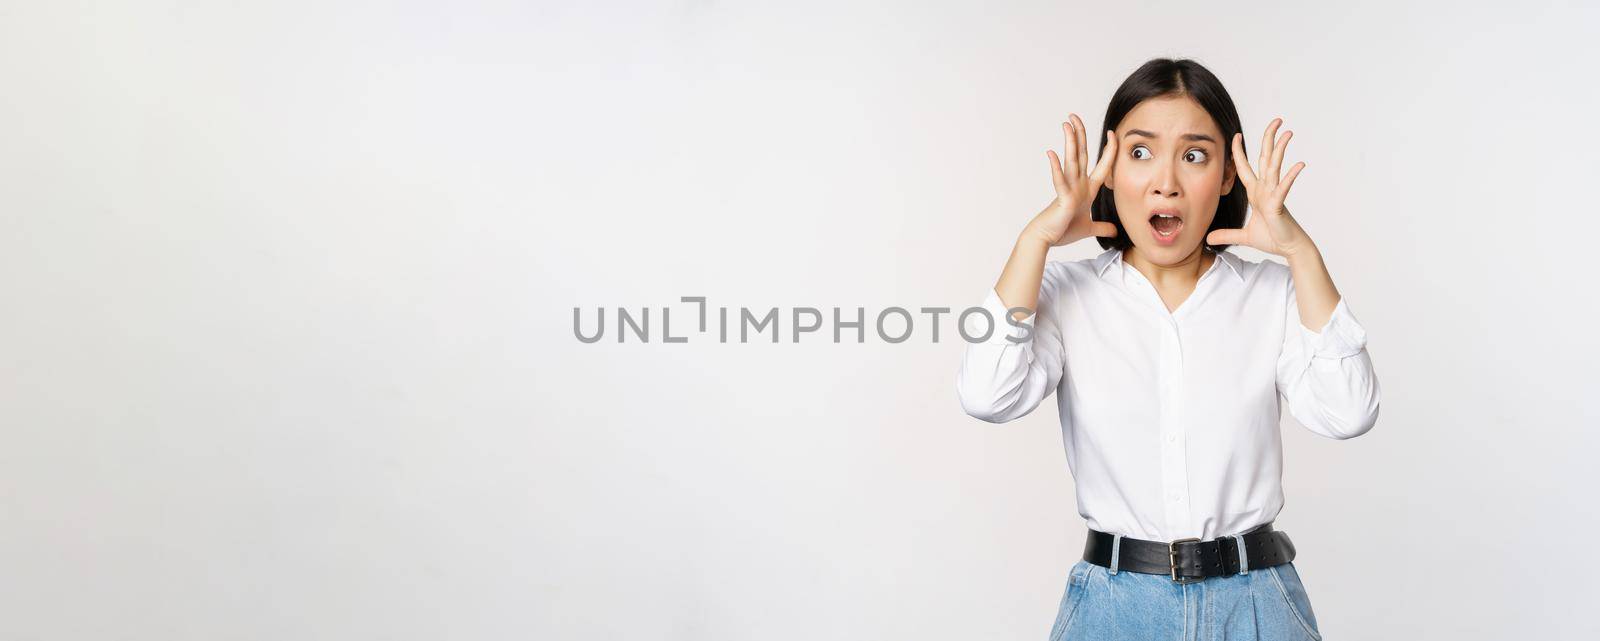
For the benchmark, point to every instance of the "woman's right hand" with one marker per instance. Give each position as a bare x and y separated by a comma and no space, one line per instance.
1067,219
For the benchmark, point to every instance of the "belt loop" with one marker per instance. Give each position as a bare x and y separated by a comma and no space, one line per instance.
1244,558
1116,551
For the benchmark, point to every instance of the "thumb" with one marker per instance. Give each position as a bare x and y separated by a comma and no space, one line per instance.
1227,237
1104,229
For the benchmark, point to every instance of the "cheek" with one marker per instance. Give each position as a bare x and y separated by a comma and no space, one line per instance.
1127,178
1204,186
1205,190
1127,201
1125,191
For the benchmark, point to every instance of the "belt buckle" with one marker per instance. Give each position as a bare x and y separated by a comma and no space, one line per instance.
1172,561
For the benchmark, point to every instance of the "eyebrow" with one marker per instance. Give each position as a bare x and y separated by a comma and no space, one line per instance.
1141,132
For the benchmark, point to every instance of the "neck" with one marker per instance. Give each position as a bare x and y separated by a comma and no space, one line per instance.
1182,274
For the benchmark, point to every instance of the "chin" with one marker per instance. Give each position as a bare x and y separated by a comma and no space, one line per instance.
1162,252
1179,244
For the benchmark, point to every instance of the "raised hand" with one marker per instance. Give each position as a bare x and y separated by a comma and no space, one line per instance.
1269,228
1067,219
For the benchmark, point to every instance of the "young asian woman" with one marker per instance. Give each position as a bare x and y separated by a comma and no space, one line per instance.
1171,359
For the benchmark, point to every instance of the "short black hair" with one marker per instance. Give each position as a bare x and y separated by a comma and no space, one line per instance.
1165,77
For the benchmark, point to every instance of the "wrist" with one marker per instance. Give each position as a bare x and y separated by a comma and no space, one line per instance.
1304,255
1033,235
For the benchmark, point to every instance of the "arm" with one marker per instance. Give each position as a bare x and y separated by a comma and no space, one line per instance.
1312,286
1325,374
1005,376
1024,272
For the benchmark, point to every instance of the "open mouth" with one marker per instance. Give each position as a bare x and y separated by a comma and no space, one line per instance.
1166,225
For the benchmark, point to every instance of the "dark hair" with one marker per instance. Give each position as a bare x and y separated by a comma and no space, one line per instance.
1163,77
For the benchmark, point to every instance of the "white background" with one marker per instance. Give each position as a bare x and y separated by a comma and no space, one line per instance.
288,286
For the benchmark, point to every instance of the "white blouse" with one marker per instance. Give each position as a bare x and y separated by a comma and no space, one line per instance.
1170,420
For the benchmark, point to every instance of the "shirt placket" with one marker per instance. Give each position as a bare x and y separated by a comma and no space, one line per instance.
1169,381
1174,459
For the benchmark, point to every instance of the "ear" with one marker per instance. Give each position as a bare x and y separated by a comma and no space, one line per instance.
1228,172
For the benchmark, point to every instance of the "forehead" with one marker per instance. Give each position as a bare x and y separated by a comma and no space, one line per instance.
1169,117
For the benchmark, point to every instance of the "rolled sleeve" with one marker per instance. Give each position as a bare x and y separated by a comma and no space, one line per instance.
1001,331
1341,337
1327,376
1009,367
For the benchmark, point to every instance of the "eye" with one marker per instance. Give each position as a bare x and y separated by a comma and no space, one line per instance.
1135,152
1196,156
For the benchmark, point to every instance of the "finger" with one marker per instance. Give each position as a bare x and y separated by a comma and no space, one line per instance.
1227,237
1277,154
1108,157
1070,158
1288,181
1103,229
1266,147
1241,165
1083,142
1056,176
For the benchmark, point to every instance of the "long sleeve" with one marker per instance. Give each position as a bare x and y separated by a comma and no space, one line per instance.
1327,375
1002,380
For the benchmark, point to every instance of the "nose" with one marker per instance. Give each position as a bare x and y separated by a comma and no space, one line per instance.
1166,182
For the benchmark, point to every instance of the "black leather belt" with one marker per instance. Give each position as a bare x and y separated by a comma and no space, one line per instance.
1191,560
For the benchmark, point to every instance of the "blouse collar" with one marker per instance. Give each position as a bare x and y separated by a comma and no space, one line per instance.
1113,256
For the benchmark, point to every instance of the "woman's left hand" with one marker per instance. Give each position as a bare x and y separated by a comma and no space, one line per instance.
1270,228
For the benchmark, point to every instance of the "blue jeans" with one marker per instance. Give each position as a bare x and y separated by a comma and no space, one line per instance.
1264,603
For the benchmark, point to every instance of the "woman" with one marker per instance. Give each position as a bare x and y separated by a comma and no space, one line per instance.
1168,355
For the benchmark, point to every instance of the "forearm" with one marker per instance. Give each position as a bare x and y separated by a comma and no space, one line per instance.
1324,370
1313,287
1019,281
1005,375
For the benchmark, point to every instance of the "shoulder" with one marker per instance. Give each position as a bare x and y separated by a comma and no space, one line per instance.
1058,277
1066,269
1266,270
1082,269
1068,274
1064,279
1265,277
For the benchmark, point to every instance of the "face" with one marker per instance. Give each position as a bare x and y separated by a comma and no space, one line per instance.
1168,177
